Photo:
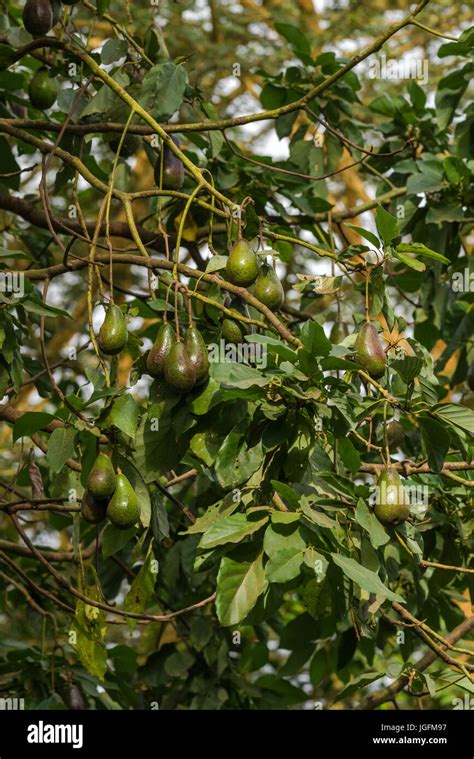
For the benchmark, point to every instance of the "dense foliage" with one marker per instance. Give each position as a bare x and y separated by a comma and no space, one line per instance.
237,362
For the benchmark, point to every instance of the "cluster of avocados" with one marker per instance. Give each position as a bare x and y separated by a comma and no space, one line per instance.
109,495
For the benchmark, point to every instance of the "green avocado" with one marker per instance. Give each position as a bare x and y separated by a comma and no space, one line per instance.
242,265
232,331
101,479
392,502
198,353
369,352
164,341
338,332
180,373
113,335
123,510
268,289
130,145
42,90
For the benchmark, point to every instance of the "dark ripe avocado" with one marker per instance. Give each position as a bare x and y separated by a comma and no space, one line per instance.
123,509
180,373
173,169
395,434
92,509
42,90
369,351
242,265
338,332
268,289
130,145
470,376
112,337
232,331
392,503
198,354
38,17
164,341
101,479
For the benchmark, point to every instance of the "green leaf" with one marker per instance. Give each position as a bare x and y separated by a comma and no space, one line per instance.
162,89
421,250
60,447
216,263
435,439
239,584
124,414
366,234
29,423
230,529
387,225
314,339
413,263
238,375
458,416
284,565
367,519
142,588
113,50
357,683
365,578
114,539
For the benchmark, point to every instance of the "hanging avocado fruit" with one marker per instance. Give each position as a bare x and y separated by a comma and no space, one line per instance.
268,289
242,265
75,698
338,332
173,169
197,352
160,349
232,331
123,509
43,90
38,17
130,145
113,336
470,376
395,434
369,352
101,479
180,373
391,506
92,509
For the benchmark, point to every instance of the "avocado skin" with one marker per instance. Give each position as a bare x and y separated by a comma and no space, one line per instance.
180,373
101,479
122,509
242,265
92,510
173,169
38,17
395,434
232,331
338,332
75,698
369,351
130,145
268,289
164,341
197,352
113,336
391,506
42,90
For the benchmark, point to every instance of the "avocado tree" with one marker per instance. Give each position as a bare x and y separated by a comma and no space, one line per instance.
237,356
